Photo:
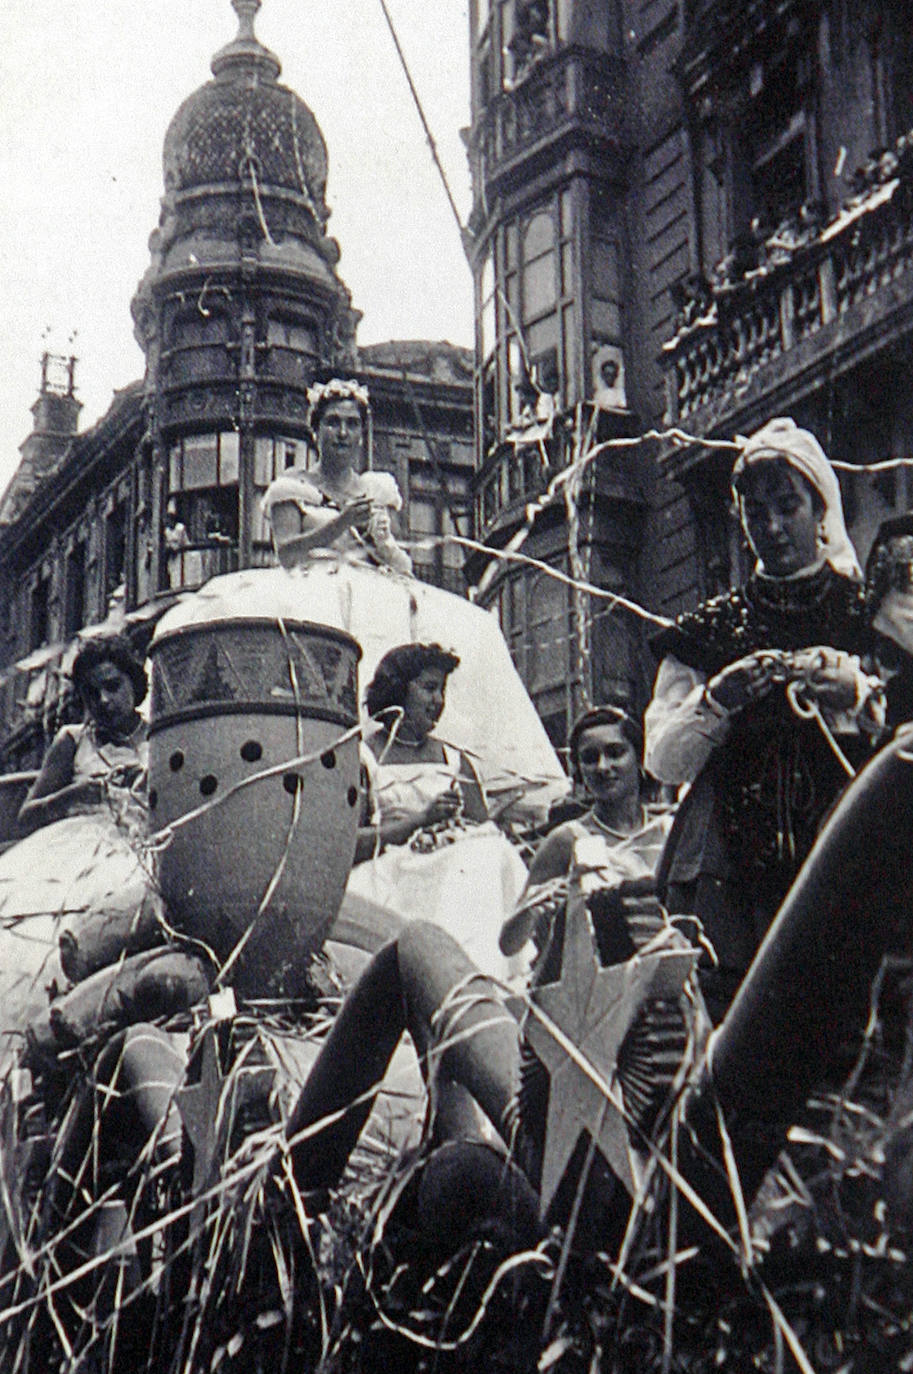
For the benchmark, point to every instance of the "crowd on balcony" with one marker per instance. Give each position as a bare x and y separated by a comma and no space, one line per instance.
764,247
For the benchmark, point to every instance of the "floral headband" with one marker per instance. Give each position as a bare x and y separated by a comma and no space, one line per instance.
321,394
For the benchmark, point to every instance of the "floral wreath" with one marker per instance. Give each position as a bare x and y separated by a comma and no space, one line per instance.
321,394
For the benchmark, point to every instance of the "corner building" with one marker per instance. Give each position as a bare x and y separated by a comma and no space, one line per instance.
686,214
241,309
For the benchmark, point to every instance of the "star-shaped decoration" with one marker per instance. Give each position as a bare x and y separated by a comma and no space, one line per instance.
576,1026
200,1106
210,1107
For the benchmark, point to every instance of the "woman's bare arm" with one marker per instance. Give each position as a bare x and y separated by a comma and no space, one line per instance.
53,793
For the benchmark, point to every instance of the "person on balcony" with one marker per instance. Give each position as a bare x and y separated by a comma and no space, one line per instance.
176,541
761,704
335,505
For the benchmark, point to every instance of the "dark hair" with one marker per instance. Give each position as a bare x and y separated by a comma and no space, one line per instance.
398,668
890,561
114,649
819,505
629,725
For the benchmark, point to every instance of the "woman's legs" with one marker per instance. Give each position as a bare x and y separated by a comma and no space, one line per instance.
424,983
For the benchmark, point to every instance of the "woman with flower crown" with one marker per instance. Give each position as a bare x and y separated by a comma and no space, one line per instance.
334,504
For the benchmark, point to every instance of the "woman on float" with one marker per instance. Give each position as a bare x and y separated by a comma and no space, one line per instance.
331,526
428,848
619,836
89,764
335,505
423,981
89,800
761,705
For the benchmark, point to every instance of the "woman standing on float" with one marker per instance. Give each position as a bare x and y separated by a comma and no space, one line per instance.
758,694
332,529
334,504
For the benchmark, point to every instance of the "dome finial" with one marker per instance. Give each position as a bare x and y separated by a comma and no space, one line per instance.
246,10
246,50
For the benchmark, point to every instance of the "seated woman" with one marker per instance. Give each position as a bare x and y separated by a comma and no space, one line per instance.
88,765
619,833
428,848
761,704
89,800
334,505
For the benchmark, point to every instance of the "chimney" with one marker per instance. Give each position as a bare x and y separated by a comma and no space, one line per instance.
56,415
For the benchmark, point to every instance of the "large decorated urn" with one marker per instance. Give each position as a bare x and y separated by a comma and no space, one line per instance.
253,780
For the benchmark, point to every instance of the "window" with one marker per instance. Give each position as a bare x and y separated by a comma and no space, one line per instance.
487,313
549,626
39,612
528,328
196,330
293,348
272,456
773,142
204,460
115,547
75,591
530,35
294,334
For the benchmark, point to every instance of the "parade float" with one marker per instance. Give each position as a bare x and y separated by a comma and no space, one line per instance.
162,1209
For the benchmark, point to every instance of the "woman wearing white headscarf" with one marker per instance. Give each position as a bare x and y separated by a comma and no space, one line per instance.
758,695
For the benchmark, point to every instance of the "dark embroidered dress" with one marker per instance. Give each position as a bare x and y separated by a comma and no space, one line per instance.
752,814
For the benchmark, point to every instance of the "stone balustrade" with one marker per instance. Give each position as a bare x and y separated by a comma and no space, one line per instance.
773,315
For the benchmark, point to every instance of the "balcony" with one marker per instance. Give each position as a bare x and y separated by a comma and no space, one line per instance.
574,95
510,479
814,309
193,564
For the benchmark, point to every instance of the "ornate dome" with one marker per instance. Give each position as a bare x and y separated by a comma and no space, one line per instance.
243,124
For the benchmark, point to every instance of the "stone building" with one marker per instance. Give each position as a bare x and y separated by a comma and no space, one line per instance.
241,309
691,213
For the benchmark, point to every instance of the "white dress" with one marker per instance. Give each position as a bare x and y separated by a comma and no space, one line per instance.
464,877
89,861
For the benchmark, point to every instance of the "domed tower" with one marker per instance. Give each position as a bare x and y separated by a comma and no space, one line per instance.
241,305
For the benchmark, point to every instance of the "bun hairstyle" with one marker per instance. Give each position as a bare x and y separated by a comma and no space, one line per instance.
114,649
629,725
398,668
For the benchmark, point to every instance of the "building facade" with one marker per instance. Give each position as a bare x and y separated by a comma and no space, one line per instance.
686,214
240,311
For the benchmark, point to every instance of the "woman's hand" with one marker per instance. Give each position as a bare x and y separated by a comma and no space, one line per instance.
357,514
126,775
746,680
443,808
831,676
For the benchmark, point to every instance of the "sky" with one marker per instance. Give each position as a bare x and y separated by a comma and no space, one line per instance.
87,90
